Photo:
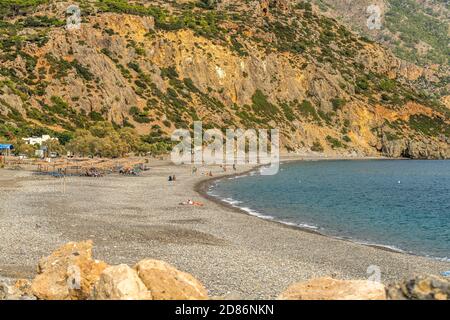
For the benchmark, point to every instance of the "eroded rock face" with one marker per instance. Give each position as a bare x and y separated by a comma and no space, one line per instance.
420,288
423,149
68,273
120,283
332,289
167,283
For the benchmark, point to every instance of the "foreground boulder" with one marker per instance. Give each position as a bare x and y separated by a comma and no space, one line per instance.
332,289
68,273
120,283
420,288
167,283
16,290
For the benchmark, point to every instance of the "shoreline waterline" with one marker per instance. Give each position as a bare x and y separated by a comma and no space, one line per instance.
204,188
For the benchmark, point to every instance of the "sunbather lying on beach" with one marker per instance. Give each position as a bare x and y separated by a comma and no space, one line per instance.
189,202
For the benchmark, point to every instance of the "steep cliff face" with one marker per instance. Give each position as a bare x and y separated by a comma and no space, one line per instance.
416,30
248,64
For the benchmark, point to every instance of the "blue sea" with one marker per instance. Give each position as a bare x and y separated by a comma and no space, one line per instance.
400,204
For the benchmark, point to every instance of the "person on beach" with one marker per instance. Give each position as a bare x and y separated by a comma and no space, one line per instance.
170,178
189,202
174,178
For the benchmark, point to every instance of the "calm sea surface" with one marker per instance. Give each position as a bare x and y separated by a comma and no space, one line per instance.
400,204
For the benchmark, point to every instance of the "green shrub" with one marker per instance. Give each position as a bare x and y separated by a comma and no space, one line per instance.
82,70
338,103
59,106
387,85
42,21
135,66
391,136
190,85
335,143
362,84
317,147
138,115
288,112
346,138
18,7
429,126
96,116
261,106
169,72
307,109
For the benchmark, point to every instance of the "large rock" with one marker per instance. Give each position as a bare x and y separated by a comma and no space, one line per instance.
426,148
68,273
420,288
332,289
15,290
167,283
120,283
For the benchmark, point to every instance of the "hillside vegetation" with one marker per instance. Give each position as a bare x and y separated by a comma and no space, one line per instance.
148,67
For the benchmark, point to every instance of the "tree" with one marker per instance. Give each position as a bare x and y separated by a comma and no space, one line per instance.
16,7
130,137
20,147
103,140
53,145
208,4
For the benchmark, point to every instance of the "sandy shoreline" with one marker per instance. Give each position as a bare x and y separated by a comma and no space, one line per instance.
131,218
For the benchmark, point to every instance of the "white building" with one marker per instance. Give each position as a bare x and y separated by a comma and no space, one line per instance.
38,140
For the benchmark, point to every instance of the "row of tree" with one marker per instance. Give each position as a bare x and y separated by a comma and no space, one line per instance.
100,140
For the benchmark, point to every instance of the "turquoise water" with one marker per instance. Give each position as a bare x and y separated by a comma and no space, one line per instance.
400,204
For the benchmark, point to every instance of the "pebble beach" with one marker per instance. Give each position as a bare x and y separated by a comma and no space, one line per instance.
130,218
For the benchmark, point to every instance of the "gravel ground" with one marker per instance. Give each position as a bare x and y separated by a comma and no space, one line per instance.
131,218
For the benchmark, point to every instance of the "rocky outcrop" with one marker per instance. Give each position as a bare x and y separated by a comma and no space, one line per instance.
416,149
16,290
446,101
332,289
420,288
167,283
68,273
120,283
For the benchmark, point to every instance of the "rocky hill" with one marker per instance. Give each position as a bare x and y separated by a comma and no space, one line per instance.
416,30
158,65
